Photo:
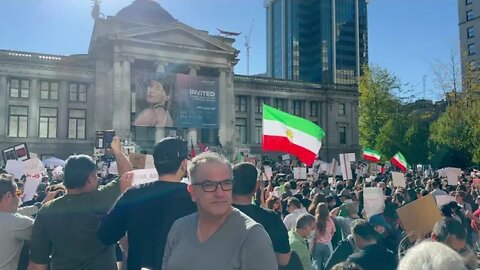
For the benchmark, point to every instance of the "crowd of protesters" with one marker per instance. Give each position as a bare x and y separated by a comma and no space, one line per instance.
228,217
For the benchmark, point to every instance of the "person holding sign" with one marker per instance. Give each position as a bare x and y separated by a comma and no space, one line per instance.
146,212
65,230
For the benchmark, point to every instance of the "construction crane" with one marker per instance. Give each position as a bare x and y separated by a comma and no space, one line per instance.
247,46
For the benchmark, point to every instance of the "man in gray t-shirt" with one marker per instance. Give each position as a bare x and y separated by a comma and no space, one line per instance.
218,236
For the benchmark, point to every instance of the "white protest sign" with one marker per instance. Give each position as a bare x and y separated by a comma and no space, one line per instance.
310,171
373,201
323,167
149,162
286,157
33,171
15,167
331,180
345,160
268,172
444,199
452,175
113,169
300,173
333,168
144,176
398,179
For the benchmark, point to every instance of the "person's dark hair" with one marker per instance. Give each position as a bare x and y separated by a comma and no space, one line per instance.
364,229
449,226
329,199
321,215
7,184
77,170
305,191
424,192
244,178
436,183
271,201
169,154
294,201
298,196
317,183
293,184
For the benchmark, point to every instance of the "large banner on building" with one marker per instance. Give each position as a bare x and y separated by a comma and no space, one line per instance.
175,100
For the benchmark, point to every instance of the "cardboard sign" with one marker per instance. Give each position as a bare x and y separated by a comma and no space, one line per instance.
144,176
443,199
300,173
149,164
419,217
137,160
333,168
452,175
398,179
268,172
373,201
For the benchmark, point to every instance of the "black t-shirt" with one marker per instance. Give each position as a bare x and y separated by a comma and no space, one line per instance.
146,213
271,222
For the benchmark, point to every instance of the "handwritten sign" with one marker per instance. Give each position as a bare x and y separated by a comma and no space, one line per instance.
144,176
300,173
398,179
34,170
373,201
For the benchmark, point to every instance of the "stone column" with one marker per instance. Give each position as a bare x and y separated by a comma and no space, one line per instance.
117,95
251,119
160,131
33,109
63,93
193,132
226,103
3,106
289,106
126,103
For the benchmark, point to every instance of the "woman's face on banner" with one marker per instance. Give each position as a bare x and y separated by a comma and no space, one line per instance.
156,93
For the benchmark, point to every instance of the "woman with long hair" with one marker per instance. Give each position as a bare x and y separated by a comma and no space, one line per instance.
322,247
318,198
274,204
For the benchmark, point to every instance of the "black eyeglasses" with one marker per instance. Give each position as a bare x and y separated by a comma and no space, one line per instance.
210,186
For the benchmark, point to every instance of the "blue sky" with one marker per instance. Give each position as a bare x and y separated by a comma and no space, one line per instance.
405,36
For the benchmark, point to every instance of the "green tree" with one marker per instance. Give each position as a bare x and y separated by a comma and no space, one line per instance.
390,137
377,104
416,137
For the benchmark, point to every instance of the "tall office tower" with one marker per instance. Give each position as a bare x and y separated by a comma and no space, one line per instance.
322,41
469,26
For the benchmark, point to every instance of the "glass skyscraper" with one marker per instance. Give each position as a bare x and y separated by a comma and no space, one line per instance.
322,41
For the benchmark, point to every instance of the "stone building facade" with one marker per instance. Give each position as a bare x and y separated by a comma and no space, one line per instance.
56,103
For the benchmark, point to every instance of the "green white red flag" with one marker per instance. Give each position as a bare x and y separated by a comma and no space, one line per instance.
283,132
400,161
371,155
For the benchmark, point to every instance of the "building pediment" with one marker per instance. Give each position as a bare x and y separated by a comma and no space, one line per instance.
174,34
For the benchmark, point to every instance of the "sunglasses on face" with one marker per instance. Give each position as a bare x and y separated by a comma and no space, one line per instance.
210,186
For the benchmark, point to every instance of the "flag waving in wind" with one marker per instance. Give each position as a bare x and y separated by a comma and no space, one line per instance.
372,155
400,161
283,132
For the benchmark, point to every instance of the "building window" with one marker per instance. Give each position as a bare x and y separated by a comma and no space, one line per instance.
19,88
78,92
341,109
342,134
259,101
258,134
470,15
471,49
241,130
313,108
76,124
281,104
240,103
468,2
470,32
298,107
48,123
18,121
49,90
